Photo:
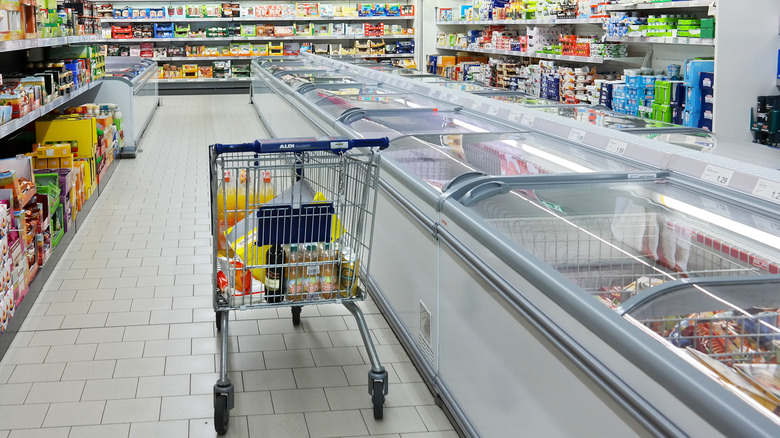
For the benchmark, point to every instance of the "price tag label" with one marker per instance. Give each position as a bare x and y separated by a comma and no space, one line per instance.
493,110
768,190
659,5
617,147
717,175
513,116
528,120
454,99
682,40
577,135
695,41
476,106
669,40
431,93
199,80
443,94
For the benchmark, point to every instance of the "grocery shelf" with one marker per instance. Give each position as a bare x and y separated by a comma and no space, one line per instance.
11,46
203,80
665,40
21,122
252,19
552,21
393,55
660,5
254,38
583,59
201,58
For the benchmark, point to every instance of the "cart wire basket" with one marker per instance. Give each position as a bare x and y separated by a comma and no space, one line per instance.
292,225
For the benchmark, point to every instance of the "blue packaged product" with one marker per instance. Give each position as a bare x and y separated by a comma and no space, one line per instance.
694,68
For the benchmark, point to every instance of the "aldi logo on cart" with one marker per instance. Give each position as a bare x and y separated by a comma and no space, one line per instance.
287,146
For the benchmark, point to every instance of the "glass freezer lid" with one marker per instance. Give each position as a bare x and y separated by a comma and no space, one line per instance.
438,158
522,99
335,105
465,86
346,89
616,238
393,124
601,116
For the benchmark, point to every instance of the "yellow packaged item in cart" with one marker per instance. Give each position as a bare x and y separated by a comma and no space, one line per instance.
243,237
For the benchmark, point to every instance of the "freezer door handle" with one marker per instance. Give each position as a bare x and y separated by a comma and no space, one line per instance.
484,191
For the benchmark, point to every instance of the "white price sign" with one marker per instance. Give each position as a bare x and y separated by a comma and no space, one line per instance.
409,85
660,5
528,120
767,190
431,93
514,117
493,110
454,99
718,175
577,135
617,147
476,106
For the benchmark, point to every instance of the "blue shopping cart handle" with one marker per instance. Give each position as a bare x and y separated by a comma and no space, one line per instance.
336,144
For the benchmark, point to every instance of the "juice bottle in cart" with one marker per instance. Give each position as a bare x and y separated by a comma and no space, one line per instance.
329,275
274,274
292,280
226,202
350,268
311,271
265,191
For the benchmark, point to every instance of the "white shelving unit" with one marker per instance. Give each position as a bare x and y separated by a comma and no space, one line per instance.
550,22
664,40
35,114
582,59
251,19
12,46
634,6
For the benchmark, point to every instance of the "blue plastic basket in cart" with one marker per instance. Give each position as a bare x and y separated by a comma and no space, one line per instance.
283,193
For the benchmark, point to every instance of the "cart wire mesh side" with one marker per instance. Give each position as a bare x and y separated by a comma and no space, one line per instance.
292,225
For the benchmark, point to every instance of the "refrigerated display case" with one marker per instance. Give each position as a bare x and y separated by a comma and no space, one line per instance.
131,84
523,248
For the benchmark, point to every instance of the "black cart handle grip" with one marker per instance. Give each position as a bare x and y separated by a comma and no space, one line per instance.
333,144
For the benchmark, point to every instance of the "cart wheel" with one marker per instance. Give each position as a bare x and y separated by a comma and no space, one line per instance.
296,314
378,398
221,414
218,320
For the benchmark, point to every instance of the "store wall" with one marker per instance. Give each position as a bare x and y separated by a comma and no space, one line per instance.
745,62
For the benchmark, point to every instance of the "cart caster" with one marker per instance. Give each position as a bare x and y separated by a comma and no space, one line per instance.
296,314
377,387
222,414
223,403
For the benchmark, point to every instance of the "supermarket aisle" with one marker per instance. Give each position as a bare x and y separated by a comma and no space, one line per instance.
121,342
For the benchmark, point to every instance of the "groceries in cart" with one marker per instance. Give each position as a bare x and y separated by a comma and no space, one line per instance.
283,248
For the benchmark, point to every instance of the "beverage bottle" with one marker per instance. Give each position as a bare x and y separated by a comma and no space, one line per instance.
226,200
292,281
311,274
329,275
266,189
242,196
349,272
274,274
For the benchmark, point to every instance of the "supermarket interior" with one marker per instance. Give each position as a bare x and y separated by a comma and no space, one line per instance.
452,218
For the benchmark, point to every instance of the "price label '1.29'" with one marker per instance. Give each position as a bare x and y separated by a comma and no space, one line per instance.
617,147
577,135
767,190
493,110
717,175
528,120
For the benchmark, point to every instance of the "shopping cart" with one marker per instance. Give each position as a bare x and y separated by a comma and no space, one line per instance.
292,225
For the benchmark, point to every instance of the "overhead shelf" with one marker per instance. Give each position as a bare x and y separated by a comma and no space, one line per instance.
660,5
583,59
203,80
35,114
251,19
537,22
665,40
11,46
255,38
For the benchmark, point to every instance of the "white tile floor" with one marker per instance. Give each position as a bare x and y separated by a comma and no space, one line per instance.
121,341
